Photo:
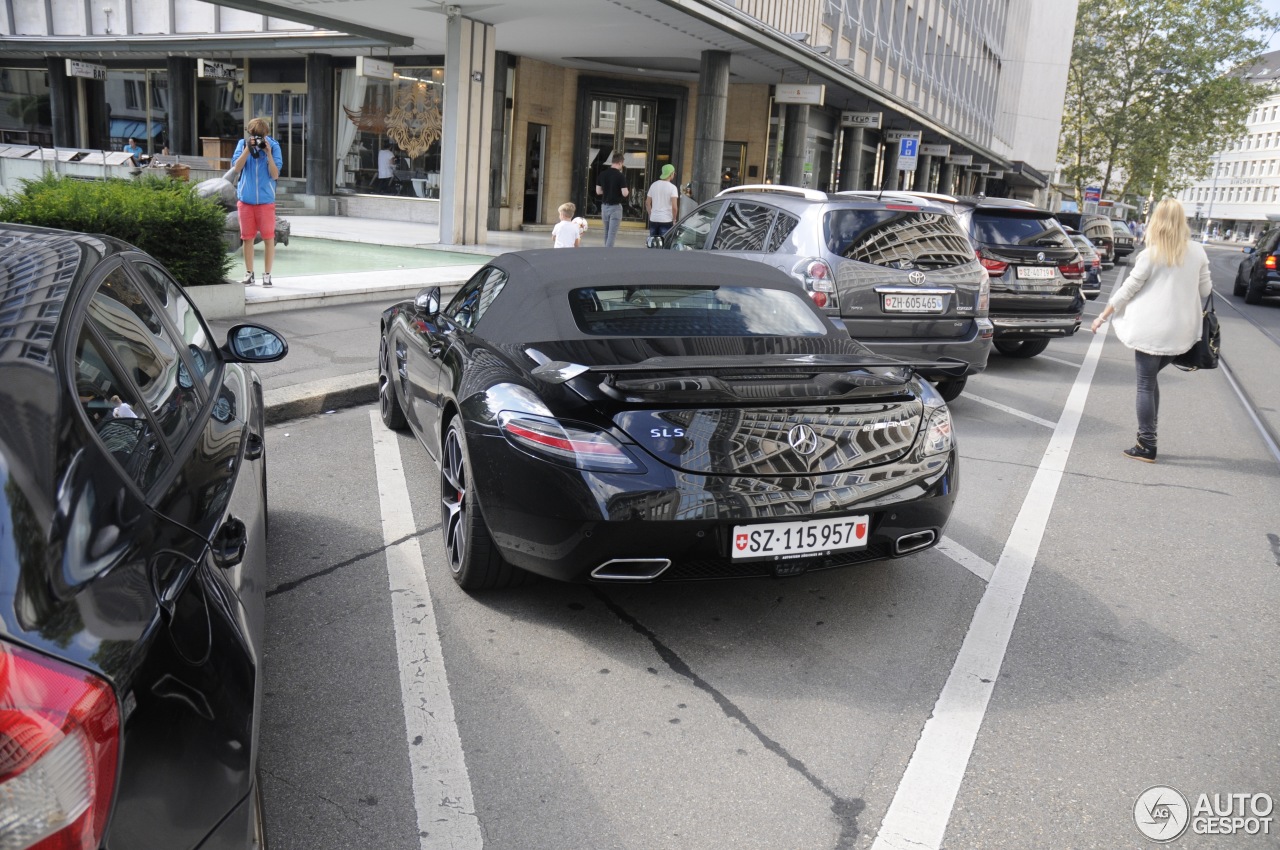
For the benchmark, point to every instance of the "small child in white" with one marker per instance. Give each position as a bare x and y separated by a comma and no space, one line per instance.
566,233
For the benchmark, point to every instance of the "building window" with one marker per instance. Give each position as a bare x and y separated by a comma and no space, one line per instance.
28,117
395,124
137,103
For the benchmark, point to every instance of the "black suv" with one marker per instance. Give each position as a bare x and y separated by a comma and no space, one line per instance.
1258,274
1097,229
1036,272
897,270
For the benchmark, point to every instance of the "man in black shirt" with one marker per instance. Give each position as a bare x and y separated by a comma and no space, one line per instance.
611,186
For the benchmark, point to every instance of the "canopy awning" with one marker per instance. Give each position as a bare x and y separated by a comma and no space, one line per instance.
124,128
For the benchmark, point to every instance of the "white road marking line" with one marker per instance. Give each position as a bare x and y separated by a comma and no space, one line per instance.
1053,359
1012,411
441,785
976,564
921,808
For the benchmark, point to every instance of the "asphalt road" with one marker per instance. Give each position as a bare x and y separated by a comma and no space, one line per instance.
1125,611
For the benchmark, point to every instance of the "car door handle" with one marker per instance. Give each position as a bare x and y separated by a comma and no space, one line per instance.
435,349
228,545
253,447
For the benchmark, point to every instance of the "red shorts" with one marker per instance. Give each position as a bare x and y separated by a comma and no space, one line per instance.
257,218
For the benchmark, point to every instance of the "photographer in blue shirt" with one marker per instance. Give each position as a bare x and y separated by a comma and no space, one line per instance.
257,161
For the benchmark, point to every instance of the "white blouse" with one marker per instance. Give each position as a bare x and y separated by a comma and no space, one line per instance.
1158,308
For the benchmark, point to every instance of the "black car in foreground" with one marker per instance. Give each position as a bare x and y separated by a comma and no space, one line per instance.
680,415
132,554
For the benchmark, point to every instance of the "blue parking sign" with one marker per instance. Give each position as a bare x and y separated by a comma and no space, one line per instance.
908,147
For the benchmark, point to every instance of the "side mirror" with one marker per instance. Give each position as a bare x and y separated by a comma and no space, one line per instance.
1248,250
254,344
428,301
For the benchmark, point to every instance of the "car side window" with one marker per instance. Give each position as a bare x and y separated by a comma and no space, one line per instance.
782,228
174,302
471,302
147,354
744,227
691,234
116,414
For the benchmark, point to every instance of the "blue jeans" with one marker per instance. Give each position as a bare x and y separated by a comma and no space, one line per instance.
611,217
660,228
1149,366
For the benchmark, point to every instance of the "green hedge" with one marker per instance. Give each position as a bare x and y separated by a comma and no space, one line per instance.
158,215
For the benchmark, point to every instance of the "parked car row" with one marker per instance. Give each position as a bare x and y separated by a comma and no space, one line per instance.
908,274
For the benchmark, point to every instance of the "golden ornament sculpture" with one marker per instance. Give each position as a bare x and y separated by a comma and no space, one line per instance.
414,122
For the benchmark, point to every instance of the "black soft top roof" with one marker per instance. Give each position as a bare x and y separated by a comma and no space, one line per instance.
534,305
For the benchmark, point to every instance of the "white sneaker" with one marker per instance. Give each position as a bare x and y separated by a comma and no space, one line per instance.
248,279
266,279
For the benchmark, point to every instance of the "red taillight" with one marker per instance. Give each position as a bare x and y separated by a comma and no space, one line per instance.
994,268
818,281
59,736
1270,262
583,446
1072,271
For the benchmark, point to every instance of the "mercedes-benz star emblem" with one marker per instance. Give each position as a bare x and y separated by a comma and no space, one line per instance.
803,439
916,278
1040,257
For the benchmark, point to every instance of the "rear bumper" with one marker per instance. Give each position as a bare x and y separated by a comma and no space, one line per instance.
973,348
1014,328
565,523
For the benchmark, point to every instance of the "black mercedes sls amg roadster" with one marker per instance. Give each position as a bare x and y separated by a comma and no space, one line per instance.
631,416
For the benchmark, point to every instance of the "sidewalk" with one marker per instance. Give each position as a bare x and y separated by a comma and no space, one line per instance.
420,261
376,263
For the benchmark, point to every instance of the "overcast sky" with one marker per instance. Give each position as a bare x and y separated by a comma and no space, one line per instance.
1273,6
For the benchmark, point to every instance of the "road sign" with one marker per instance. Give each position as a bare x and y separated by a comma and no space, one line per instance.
1092,193
908,153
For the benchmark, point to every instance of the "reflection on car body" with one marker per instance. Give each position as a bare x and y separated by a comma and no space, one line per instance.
132,518
640,423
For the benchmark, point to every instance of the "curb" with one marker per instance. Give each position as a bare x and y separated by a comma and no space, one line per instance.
295,402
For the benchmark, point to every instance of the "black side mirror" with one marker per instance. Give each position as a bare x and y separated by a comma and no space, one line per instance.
254,344
428,301
1248,250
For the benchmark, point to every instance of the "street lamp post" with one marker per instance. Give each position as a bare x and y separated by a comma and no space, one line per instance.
1208,221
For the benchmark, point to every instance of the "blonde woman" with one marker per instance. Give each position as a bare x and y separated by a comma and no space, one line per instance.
1158,310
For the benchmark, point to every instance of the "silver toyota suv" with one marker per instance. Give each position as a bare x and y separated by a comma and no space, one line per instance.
897,270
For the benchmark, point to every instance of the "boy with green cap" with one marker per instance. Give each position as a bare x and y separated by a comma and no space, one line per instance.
662,203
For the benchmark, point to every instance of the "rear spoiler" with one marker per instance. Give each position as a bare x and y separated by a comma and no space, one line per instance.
559,371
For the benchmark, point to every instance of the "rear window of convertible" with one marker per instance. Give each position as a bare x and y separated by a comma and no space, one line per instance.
693,311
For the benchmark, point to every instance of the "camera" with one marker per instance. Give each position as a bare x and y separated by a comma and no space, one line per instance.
256,145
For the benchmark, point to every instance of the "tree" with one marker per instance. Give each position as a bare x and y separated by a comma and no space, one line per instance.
1155,87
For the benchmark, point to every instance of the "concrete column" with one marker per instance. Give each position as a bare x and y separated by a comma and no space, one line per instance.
889,177
795,134
465,143
62,102
924,171
851,159
321,161
982,185
947,179
182,106
708,134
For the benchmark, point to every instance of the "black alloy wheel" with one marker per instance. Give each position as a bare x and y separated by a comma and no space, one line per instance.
1022,350
950,388
473,559
388,399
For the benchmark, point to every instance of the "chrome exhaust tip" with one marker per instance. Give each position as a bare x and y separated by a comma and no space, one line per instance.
909,543
631,569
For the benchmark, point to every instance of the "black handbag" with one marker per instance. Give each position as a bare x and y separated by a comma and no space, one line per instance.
1204,354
